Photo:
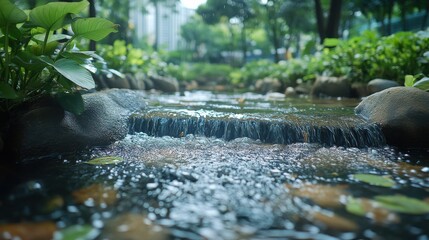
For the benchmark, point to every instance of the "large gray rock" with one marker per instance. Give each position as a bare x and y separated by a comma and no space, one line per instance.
165,84
402,113
378,85
114,81
136,83
331,87
48,129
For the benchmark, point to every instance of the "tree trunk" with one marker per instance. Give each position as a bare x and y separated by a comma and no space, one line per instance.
275,41
157,32
425,17
334,19
244,42
320,20
92,13
402,6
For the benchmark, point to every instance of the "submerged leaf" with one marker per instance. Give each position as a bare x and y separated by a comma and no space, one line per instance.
95,194
323,195
333,221
381,181
84,232
41,230
403,204
105,160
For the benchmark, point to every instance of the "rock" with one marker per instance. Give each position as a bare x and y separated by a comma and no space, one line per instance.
402,113
290,92
275,96
303,88
134,82
165,84
331,87
114,81
378,85
49,129
267,85
359,90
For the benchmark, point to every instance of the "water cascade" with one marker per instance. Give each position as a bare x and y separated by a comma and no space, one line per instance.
290,128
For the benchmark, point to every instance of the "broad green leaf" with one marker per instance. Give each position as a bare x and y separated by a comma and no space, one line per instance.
82,232
52,37
382,181
105,160
51,16
7,92
10,14
409,80
403,204
72,102
29,61
75,73
422,84
93,28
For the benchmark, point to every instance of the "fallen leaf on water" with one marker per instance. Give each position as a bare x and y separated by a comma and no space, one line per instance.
335,222
323,195
371,209
105,160
381,181
95,194
84,232
28,231
403,204
133,227
53,203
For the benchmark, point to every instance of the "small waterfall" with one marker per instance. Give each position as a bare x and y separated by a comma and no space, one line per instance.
332,131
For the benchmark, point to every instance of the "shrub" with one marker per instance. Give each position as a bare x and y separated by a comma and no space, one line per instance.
34,63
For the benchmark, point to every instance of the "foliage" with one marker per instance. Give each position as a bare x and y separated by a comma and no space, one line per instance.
127,59
364,58
33,61
201,72
382,181
412,81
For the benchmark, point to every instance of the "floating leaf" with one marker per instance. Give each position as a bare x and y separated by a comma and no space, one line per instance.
381,181
403,204
41,230
105,160
95,194
133,226
93,28
323,195
368,208
333,221
82,232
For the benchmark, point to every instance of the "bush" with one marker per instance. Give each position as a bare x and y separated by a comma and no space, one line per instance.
204,73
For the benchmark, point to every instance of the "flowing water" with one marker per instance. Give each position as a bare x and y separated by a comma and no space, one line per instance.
217,166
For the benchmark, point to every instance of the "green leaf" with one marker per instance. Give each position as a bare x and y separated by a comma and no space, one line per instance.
381,181
29,61
82,232
331,42
403,204
105,160
409,80
74,72
72,102
7,91
10,14
422,84
93,28
51,16
355,206
52,37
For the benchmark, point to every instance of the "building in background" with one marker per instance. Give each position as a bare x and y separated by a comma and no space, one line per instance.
168,20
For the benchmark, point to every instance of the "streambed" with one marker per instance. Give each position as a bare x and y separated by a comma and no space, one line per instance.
188,182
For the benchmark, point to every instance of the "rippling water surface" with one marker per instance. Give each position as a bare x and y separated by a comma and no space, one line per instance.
194,186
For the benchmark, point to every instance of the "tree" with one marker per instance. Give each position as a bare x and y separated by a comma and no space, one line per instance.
239,11
334,17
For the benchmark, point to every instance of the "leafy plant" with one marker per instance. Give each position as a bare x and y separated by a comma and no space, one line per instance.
37,59
411,81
